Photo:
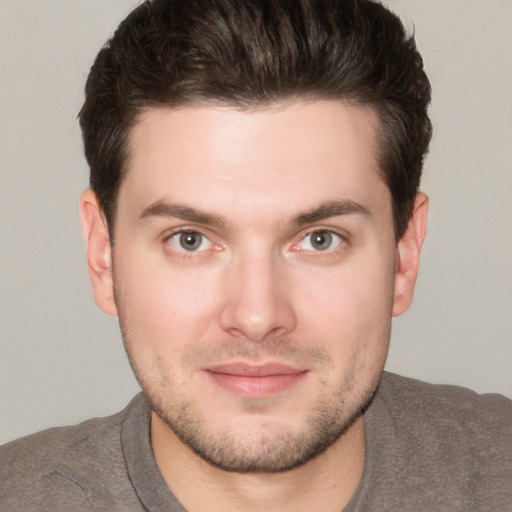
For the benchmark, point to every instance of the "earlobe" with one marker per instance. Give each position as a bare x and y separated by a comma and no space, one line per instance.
408,255
98,248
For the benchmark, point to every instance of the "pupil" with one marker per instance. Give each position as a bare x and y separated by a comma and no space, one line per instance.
322,240
190,241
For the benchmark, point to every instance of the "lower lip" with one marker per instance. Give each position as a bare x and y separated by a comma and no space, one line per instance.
256,387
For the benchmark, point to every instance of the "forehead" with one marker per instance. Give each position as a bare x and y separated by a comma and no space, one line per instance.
298,153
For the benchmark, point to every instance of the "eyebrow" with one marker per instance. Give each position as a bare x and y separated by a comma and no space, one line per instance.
331,209
179,211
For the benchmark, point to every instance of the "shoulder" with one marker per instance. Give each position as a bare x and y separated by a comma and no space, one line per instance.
56,464
461,408
454,438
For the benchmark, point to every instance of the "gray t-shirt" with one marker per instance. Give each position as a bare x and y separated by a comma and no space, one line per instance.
429,448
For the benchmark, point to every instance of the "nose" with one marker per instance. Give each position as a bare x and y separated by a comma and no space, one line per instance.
258,302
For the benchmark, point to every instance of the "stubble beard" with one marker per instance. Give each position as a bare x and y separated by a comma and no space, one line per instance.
272,452
269,450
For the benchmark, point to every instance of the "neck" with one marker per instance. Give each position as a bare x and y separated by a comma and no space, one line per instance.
325,483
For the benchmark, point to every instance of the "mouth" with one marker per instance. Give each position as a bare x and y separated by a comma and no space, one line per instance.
255,381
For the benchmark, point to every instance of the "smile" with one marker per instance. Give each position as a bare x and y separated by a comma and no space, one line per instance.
255,381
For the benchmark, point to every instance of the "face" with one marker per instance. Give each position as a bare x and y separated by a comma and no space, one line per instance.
255,272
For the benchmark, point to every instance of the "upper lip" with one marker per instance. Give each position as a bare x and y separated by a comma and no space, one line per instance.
255,370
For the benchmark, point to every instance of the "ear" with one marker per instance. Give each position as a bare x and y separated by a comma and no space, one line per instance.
99,257
408,255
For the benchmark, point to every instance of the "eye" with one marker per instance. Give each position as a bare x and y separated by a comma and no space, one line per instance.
321,240
190,241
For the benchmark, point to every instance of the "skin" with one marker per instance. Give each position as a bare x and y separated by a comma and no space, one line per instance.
275,318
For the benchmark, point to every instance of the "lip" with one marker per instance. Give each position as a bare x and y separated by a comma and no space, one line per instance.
256,381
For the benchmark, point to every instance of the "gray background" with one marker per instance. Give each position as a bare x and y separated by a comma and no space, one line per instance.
62,359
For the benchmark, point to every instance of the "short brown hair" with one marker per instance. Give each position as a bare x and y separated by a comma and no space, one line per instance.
247,53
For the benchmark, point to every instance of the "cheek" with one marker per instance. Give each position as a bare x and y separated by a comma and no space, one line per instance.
166,307
350,309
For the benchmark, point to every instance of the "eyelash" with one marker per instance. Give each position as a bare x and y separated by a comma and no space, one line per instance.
183,252
336,238
181,232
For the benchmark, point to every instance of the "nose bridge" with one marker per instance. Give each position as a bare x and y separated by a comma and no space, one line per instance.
258,303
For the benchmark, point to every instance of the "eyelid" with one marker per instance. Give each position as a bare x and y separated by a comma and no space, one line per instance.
172,231
170,235
336,233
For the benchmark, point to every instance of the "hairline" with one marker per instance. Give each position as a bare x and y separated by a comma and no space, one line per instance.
247,106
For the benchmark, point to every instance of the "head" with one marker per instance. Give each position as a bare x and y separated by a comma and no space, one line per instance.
249,54
254,217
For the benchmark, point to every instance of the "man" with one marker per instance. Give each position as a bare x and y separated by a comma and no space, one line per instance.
254,220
